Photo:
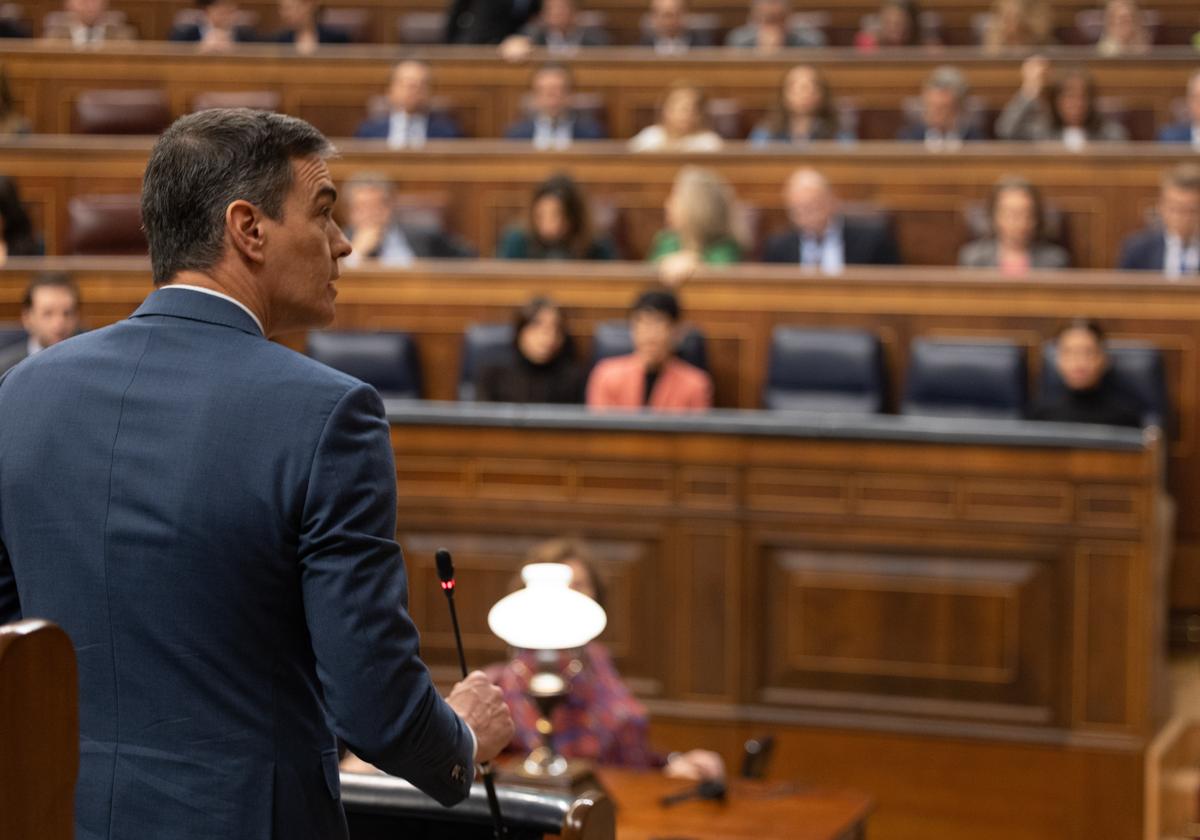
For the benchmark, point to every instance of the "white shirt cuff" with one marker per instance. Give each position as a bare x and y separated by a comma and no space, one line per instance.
474,742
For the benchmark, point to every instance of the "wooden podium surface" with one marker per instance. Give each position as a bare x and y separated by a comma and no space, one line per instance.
753,810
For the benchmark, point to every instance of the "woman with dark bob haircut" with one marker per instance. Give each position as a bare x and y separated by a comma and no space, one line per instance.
558,228
543,368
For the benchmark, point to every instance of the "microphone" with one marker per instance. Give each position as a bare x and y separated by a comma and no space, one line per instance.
708,789
445,573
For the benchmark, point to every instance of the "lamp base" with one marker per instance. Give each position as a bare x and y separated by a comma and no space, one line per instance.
576,777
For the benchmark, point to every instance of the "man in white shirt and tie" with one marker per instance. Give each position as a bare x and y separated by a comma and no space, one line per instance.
551,123
1173,247
409,121
668,33
84,24
1187,130
49,314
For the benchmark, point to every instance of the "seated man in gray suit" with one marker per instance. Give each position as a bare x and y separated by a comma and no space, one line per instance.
49,314
823,239
375,233
211,517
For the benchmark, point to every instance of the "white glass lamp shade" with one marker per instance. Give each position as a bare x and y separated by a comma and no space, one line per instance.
547,614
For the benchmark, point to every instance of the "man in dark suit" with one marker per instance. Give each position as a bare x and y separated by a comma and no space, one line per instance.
1187,131
944,125
409,122
49,314
668,33
559,32
1173,246
217,30
487,21
211,517
376,234
552,124
821,239
303,28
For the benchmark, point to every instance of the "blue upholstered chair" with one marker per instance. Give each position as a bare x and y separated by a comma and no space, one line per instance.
825,370
386,360
965,378
484,345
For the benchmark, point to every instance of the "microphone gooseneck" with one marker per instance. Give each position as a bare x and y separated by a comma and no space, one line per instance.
445,573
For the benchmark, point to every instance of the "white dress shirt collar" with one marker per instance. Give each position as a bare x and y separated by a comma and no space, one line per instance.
33,346
222,296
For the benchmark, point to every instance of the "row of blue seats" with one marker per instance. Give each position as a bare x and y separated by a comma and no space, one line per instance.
810,369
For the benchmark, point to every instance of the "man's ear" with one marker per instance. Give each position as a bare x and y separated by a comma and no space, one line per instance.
245,229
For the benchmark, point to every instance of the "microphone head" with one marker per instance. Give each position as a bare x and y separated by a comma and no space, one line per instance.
445,566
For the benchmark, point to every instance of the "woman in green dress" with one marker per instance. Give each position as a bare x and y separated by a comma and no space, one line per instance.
700,226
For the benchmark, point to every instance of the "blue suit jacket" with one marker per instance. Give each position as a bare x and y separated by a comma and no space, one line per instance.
211,518
582,128
437,127
915,133
1145,250
1177,133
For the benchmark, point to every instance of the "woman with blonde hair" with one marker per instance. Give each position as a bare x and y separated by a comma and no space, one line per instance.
700,225
682,124
1015,24
1124,31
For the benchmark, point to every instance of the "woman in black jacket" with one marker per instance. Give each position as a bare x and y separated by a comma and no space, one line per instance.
543,368
1090,394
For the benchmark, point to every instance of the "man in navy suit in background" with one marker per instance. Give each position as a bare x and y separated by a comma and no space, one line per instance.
1172,246
552,124
211,517
409,122
1187,131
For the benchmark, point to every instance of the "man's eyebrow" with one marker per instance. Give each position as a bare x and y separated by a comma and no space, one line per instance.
326,191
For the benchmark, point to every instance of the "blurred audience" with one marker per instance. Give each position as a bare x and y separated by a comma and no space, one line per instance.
302,28
767,29
896,24
944,123
376,233
1018,24
487,21
218,29
49,314
19,240
1173,245
820,237
544,367
1016,243
1124,31
552,124
652,376
12,122
558,227
409,121
700,227
1187,131
88,23
558,29
668,33
802,112
600,720
1064,110
682,124
1091,395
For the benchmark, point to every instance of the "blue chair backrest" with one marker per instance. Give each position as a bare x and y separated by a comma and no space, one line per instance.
611,338
965,378
484,345
825,370
386,360
1137,370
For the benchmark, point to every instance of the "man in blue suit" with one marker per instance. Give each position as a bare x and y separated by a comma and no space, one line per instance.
211,518
409,122
1171,247
1187,131
552,124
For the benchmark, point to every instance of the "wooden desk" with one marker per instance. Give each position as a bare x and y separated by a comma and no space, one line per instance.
752,810
332,88
1104,195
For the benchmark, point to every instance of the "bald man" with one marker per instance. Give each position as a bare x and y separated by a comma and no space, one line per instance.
820,237
409,122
